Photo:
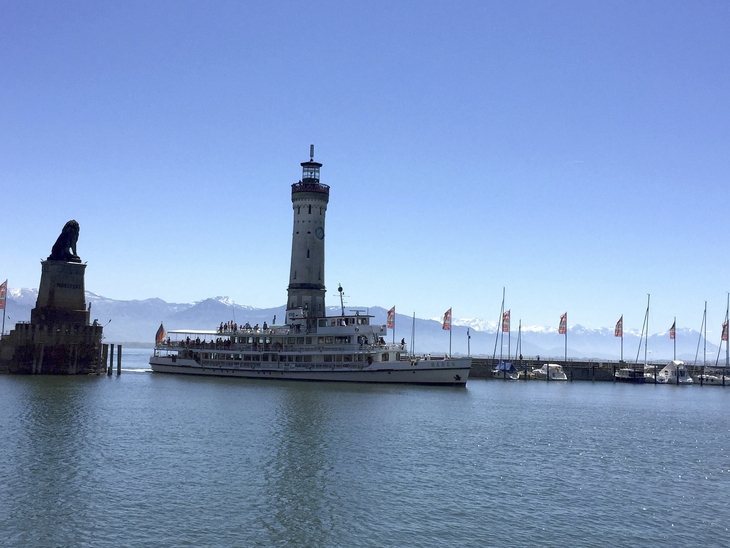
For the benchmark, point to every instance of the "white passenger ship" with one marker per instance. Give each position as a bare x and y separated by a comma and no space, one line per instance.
341,348
310,346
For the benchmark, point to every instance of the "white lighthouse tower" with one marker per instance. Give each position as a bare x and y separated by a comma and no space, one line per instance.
306,277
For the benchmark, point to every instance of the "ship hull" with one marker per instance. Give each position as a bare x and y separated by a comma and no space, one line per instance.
453,372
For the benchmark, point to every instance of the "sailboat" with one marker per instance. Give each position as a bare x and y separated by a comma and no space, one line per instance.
717,376
504,370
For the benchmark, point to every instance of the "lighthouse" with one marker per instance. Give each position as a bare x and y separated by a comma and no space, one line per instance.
309,200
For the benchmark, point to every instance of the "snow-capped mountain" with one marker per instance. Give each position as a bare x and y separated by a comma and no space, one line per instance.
136,321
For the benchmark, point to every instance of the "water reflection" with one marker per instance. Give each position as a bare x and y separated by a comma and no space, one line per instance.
299,469
47,460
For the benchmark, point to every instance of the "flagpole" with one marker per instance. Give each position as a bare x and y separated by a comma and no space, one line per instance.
509,337
622,337
675,338
451,317
727,347
5,302
468,342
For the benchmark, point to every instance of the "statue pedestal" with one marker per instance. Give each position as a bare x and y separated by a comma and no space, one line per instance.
61,295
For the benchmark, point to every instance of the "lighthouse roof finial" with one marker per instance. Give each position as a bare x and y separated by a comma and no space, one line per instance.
311,152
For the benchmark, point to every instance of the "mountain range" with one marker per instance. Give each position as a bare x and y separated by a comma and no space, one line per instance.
135,322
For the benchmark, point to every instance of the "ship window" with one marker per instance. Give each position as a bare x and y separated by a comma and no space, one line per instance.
362,321
397,356
300,340
347,358
322,323
308,340
327,358
337,358
308,359
290,340
290,358
328,340
265,358
386,357
320,340
298,358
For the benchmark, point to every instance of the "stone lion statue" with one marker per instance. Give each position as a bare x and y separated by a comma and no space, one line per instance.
65,247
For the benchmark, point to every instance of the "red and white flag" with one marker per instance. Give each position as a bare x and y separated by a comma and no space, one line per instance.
391,318
3,294
724,330
619,331
447,320
672,330
563,327
505,322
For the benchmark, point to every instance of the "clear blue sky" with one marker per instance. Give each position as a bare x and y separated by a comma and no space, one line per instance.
574,152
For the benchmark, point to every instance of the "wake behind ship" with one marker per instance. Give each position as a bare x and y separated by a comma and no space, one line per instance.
310,345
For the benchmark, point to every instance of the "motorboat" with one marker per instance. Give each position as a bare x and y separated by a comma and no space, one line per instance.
675,372
550,372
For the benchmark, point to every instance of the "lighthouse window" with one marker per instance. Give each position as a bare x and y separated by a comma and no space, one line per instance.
307,254
310,210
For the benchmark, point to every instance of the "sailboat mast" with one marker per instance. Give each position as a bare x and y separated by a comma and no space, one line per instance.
727,346
646,341
499,330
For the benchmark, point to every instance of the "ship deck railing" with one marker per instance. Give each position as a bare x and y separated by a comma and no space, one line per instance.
278,347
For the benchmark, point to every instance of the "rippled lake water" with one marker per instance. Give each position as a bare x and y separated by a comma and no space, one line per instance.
153,460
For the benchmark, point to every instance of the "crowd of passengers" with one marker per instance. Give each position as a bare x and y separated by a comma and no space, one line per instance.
214,343
226,343
233,327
